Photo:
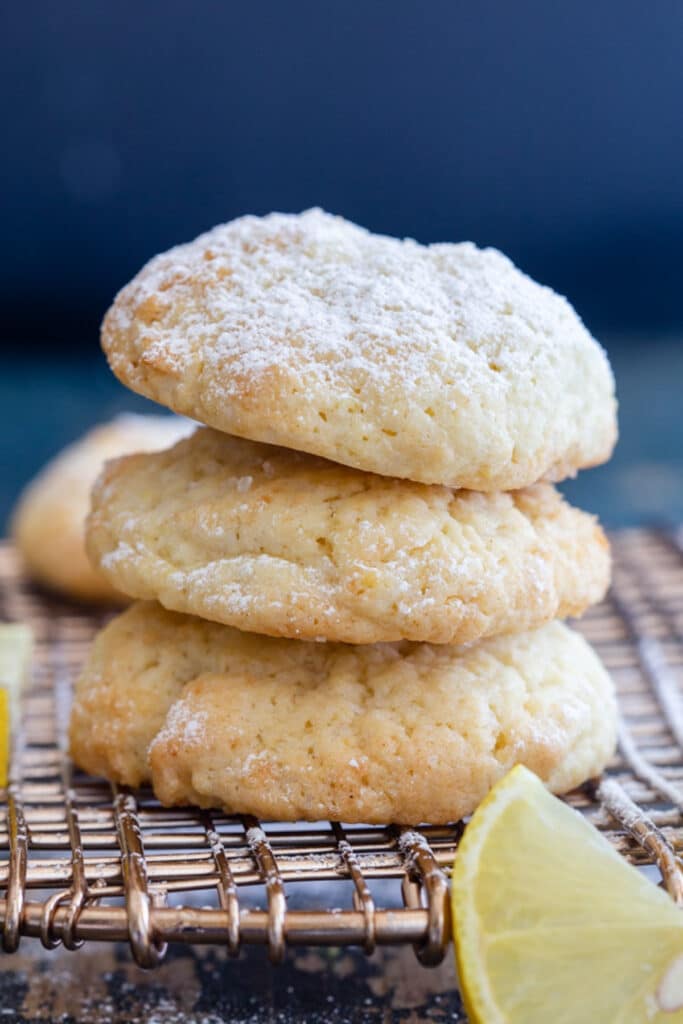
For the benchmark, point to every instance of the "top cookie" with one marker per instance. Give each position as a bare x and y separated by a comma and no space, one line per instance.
441,363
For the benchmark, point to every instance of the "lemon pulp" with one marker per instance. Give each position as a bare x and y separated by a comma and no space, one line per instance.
16,643
552,926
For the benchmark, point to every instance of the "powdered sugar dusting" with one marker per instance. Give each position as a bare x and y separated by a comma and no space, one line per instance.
335,293
315,550
184,726
401,339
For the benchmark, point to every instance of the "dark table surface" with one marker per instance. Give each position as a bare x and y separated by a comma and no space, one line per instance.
101,985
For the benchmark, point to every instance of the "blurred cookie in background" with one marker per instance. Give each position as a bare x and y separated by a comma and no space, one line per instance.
48,519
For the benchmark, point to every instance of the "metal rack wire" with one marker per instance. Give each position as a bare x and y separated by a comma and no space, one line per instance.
81,860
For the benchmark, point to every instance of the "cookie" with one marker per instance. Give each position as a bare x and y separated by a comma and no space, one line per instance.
48,521
288,544
442,364
290,730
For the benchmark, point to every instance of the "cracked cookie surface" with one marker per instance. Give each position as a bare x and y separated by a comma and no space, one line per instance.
442,363
287,544
291,730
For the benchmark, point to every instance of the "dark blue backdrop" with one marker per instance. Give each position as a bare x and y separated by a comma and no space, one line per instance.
554,131
551,130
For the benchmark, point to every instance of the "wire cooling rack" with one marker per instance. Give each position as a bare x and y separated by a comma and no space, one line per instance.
81,860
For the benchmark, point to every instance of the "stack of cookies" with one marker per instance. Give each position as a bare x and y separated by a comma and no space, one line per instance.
382,422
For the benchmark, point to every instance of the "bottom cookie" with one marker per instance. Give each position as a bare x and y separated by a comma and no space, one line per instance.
287,730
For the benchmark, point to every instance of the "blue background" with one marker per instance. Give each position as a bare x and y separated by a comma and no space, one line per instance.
552,131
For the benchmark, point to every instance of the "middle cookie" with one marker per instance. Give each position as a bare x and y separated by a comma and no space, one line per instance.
288,544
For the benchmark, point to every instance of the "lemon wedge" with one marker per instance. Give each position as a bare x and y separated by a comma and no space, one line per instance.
16,645
552,926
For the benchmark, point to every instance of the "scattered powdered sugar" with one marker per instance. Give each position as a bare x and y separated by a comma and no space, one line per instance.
195,729
250,761
184,726
539,574
417,604
122,553
232,597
